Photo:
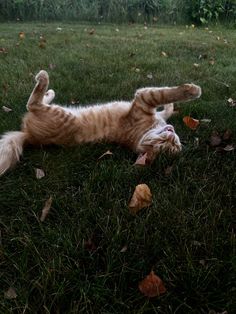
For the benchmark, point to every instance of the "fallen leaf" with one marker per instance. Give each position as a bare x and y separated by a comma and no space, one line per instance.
39,173
205,121
141,160
21,35
227,135
6,109
59,29
91,31
215,139
218,38
152,286
117,30
10,294
190,122
141,198
196,65
137,70
150,76
3,50
124,249
231,102
46,209
105,154
228,148
164,54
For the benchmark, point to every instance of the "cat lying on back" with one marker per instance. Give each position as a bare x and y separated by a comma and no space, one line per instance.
135,124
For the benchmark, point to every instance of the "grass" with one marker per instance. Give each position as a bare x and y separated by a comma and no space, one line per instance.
72,262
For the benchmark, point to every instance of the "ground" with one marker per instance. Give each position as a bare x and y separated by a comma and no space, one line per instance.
90,253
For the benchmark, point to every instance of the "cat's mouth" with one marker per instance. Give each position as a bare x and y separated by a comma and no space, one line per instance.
168,128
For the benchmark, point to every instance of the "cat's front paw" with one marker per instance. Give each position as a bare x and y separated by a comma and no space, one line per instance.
191,91
42,77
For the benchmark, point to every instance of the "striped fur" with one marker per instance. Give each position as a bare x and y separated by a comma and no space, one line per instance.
135,124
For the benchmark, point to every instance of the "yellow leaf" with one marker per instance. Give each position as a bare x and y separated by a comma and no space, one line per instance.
141,198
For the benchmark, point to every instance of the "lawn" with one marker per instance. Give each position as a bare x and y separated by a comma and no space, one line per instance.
90,253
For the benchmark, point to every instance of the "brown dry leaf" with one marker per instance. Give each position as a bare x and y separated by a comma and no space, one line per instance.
10,294
105,154
142,197
6,109
164,54
3,50
21,35
227,135
91,31
215,139
42,45
39,173
46,209
152,286
190,122
141,160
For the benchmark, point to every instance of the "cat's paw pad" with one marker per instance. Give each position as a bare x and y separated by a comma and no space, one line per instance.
192,91
42,77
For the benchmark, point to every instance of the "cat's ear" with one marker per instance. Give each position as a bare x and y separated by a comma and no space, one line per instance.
49,96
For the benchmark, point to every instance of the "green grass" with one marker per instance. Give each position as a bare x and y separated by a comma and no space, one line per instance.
187,236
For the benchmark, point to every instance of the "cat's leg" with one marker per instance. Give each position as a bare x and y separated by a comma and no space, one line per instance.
152,97
167,112
37,96
49,96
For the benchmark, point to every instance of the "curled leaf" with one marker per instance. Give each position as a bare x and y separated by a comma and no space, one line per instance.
190,122
46,209
105,154
228,148
152,286
142,197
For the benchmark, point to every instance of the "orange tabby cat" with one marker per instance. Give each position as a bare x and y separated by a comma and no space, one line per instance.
135,124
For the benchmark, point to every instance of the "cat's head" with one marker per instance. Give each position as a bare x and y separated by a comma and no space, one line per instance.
160,140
